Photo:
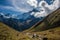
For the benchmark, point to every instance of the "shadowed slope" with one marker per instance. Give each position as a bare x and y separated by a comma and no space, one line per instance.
51,21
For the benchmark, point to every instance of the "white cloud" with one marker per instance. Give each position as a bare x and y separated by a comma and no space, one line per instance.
4,15
43,6
1,13
46,8
8,7
54,6
32,13
32,3
9,16
21,5
18,5
40,14
14,9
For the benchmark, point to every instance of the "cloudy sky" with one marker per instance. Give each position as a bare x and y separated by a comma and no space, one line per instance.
45,6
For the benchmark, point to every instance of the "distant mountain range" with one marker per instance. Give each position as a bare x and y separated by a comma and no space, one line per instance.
18,20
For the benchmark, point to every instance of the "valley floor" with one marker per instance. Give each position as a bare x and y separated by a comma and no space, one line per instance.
7,33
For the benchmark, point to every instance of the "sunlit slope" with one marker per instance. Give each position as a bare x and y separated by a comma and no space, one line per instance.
51,21
7,33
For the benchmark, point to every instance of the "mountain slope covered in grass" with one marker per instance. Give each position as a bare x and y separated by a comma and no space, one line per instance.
51,21
7,33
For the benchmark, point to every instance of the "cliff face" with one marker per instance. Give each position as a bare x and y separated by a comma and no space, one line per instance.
51,21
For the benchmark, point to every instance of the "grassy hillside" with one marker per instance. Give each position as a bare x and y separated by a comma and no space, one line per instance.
7,33
51,21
